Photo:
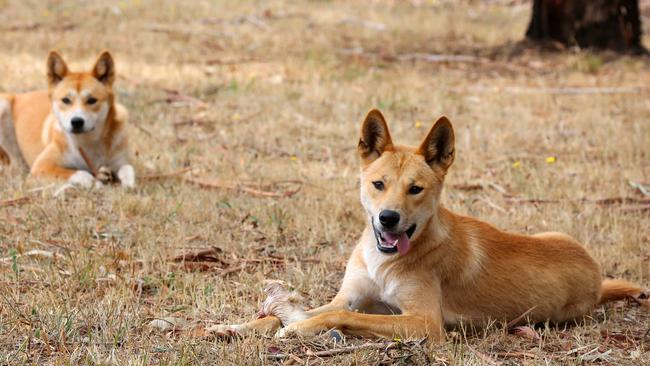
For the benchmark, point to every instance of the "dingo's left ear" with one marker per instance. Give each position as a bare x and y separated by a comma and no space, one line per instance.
104,69
375,138
438,147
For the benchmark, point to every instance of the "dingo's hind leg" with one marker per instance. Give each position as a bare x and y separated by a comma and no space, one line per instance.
9,151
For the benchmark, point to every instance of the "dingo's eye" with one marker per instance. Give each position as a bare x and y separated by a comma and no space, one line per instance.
91,101
415,189
379,185
66,100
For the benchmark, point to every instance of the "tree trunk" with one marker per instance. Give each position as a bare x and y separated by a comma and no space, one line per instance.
607,24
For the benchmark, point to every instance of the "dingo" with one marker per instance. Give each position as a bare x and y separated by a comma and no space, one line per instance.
419,267
68,130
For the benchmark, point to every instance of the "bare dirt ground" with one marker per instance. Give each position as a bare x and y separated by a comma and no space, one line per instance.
244,128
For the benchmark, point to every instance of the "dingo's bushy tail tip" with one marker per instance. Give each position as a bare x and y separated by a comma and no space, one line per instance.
612,290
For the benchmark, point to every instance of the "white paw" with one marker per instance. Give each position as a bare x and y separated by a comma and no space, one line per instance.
82,178
282,333
126,175
294,330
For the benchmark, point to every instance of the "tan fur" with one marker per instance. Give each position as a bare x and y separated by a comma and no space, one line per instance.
41,118
458,268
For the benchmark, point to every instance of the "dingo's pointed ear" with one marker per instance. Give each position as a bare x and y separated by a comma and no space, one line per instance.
56,68
375,138
104,69
438,147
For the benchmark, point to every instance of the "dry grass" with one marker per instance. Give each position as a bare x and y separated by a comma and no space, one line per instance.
270,92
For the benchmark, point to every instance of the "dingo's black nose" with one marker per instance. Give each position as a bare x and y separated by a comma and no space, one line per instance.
77,123
389,218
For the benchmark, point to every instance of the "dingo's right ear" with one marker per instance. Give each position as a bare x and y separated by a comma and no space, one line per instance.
438,147
375,138
104,69
56,68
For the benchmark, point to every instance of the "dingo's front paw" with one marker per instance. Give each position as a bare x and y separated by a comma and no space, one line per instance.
126,175
80,178
225,331
305,328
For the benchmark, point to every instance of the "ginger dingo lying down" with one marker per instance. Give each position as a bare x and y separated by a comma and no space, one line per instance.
430,267
71,129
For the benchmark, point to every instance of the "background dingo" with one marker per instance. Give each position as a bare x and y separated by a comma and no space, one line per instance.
72,129
419,267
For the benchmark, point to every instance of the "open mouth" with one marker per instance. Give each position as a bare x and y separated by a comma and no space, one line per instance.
389,243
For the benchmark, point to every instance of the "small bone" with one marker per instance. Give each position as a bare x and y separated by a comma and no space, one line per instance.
283,304
104,175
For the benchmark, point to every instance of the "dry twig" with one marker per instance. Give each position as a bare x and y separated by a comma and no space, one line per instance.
337,351
516,320
228,186
88,162
174,174
16,201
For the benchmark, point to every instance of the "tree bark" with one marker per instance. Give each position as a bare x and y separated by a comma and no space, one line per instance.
605,24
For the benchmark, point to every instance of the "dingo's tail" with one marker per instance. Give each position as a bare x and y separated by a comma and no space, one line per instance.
611,290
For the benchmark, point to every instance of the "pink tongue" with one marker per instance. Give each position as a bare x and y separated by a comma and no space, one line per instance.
403,242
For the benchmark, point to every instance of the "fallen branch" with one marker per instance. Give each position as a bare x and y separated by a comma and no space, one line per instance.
228,186
190,122
479,186
174,174
529,200
484,357
336,351
467,187
282,258
516,320
88,162
554,91
177,96
35,26
16,201
205,255
432,57
519,355
635,204
619,200
639,208
218,61
35,253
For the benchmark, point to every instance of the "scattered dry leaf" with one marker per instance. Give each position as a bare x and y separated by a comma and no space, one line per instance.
525,332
